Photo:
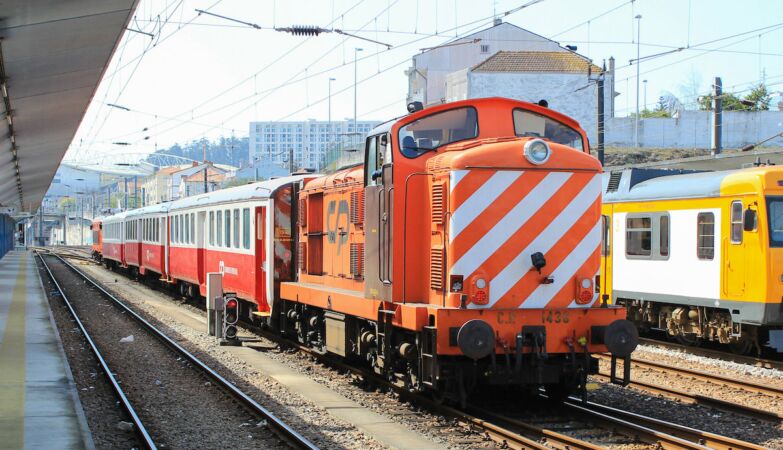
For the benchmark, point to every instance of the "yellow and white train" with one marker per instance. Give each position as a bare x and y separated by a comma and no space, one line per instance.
698,254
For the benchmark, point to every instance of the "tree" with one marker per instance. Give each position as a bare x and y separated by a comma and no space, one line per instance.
66,202
758,99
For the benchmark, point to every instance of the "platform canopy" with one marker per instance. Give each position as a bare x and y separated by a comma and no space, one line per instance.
54,54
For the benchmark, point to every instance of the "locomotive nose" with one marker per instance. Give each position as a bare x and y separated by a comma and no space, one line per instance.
476,339
621,337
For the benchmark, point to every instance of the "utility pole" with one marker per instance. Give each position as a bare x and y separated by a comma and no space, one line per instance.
206,166
135,191
40,225
600,103
125,179
636,122
717,116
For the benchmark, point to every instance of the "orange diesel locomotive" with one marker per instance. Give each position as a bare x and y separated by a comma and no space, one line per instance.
463,251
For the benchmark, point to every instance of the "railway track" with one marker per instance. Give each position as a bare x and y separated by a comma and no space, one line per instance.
715,354
517,433
716,403
231,393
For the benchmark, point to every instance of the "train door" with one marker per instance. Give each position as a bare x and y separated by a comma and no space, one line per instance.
378,200
735,253
605,273
139,236
260,253
201,247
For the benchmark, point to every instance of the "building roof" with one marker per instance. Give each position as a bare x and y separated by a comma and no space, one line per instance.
212,175
556,62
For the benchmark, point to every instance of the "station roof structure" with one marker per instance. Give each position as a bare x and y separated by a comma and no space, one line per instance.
53,54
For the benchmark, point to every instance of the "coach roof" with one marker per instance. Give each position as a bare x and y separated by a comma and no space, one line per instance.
659,186
160,208
254,191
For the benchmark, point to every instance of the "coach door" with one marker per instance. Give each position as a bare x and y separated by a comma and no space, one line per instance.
260,253
201,247
378,198
735,253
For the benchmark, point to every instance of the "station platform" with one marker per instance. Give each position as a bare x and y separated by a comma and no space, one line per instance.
39,404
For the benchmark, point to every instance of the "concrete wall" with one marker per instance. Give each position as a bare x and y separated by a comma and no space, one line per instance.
427,76
693,129
569,94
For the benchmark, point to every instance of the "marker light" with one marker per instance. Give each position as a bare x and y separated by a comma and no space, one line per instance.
537,151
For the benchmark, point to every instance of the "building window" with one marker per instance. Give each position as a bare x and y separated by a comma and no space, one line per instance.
638,236
705,236
736,222
246,228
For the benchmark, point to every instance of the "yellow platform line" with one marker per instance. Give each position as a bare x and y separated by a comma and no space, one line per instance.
12,365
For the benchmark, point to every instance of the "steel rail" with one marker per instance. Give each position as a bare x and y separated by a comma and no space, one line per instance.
710,440
139,427
712,353
699,399
284,430
706,376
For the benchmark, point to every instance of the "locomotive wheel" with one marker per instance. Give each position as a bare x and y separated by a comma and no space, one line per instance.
688,340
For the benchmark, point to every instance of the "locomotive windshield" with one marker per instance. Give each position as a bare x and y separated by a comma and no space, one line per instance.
433,131
775,213
530,124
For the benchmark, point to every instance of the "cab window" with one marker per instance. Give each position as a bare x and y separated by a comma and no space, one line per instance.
736,222
433,131
531,124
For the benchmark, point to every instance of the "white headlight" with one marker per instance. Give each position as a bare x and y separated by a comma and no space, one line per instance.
586,283
537,151
481,283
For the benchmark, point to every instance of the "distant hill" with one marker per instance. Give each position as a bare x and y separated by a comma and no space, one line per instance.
226,150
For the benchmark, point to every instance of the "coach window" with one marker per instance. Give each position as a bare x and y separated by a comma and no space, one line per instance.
212,228
663,235
228,227
638,236
192,228
236,228
219,228
605,235
736,222
246,228
187,228
705,236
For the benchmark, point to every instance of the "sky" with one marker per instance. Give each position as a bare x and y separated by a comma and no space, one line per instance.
194,76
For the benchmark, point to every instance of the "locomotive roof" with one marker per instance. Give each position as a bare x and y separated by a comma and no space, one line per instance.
662,184
253,191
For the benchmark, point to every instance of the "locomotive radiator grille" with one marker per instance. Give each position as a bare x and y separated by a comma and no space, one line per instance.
302,257
436,268
301,216
357,208
438,205
357,260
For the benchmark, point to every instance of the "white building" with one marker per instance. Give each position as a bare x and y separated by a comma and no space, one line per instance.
309,140
560,78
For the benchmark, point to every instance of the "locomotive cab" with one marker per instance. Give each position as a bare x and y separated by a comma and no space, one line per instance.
464,251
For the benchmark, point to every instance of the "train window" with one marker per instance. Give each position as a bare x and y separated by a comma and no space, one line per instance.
246,228
228,227
531,124
219,228
605,235
187,228
638,236
663,235
372,170
192,228
236,228
705,236
736,222
435,130
212,228
775,213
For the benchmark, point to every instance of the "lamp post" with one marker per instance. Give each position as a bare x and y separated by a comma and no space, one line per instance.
638,18
355,82
645,94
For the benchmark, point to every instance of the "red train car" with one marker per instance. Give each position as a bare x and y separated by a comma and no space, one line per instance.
114,232
147,252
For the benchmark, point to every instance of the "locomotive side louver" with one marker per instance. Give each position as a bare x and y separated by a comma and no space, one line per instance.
437,203
357,260
302,257
436,269
357,208
301,217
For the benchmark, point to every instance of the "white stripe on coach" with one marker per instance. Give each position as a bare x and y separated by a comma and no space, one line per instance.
566,270
556,229
480,200
510,223
455,176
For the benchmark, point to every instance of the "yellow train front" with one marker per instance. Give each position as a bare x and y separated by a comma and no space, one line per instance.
698,254
463,251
